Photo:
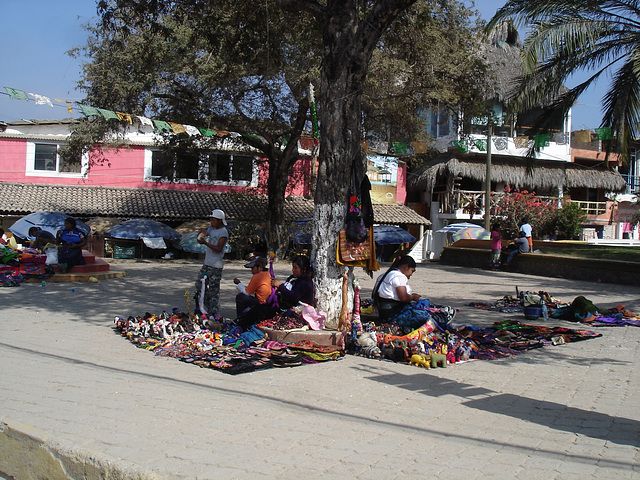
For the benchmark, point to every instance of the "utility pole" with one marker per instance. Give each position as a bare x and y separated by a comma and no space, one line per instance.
487,191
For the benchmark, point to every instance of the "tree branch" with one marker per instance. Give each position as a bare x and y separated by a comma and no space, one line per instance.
311,6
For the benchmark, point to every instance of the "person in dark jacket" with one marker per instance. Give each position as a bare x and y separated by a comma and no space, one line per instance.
298,287
41,238
520,245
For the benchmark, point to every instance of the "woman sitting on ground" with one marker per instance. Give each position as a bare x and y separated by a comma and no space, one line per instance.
394,298
71,240
298,287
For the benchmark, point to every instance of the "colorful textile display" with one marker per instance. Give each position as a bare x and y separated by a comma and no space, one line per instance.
219,344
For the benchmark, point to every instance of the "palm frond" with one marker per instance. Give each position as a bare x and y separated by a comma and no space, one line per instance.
601,37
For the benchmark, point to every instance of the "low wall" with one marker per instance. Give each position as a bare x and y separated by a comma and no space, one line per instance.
32,455
546,265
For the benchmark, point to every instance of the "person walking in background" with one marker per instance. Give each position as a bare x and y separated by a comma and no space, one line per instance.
527,230
496,246
208,281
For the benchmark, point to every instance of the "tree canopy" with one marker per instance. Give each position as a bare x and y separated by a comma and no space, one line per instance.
247,66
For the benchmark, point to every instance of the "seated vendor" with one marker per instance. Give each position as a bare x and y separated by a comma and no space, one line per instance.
71,240
259,288
10,240
41,238
394,298
298,287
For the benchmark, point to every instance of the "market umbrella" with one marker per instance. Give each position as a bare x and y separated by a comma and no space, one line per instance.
48,221
301,233
390,234
140,228
474,233
189,243
456,227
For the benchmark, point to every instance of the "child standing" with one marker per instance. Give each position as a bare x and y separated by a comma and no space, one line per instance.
496,246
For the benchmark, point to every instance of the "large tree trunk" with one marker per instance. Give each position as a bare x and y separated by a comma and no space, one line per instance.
280,166
348,47
343,73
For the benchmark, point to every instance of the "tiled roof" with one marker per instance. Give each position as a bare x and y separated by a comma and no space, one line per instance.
164,205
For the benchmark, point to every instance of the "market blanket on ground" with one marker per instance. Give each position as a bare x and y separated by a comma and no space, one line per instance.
580,309
446,344
218,344
221,345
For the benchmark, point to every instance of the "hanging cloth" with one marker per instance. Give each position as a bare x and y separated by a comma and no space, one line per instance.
356,231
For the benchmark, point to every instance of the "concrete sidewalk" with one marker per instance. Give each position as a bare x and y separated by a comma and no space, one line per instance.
80,401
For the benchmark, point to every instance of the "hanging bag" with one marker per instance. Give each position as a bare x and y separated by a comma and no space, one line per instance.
356,231
353,251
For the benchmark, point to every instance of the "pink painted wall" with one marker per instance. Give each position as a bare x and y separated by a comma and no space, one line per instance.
13,154
125,169
401,187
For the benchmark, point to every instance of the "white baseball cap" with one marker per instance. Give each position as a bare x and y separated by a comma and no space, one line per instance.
219,214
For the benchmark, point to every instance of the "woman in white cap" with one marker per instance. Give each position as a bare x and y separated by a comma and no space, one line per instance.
208,282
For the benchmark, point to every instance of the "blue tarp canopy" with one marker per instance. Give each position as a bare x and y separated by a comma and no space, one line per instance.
142,228
391,234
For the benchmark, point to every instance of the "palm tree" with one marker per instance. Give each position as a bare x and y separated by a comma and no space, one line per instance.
567,36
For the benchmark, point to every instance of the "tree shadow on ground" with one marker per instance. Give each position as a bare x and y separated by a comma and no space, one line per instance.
619,430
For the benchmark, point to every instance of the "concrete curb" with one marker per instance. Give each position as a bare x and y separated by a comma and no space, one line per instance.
29,454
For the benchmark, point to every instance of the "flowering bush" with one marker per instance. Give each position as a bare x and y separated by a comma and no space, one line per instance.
516,204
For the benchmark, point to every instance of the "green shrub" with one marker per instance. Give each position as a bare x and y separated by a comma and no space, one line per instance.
569,221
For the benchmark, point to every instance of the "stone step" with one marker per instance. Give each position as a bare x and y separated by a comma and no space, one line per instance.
92,265
98,265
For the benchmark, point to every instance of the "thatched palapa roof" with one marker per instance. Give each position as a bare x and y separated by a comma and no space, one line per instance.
502,52
517,172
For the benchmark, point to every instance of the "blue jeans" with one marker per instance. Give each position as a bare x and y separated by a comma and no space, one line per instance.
512,256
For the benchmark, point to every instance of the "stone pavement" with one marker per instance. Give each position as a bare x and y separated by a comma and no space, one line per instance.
79,401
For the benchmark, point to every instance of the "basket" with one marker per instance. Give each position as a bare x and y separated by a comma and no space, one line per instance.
532,312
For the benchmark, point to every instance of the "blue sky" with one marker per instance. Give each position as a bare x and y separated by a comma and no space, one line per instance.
35,35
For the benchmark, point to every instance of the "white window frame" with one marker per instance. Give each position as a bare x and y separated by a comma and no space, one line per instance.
30,170
148,177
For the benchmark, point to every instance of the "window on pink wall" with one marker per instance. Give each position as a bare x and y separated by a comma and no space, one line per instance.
44,159
210,167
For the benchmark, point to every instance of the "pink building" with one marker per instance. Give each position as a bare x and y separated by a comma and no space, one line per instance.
29,153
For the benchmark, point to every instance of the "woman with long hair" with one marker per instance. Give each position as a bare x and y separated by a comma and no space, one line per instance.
298,287
394,298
